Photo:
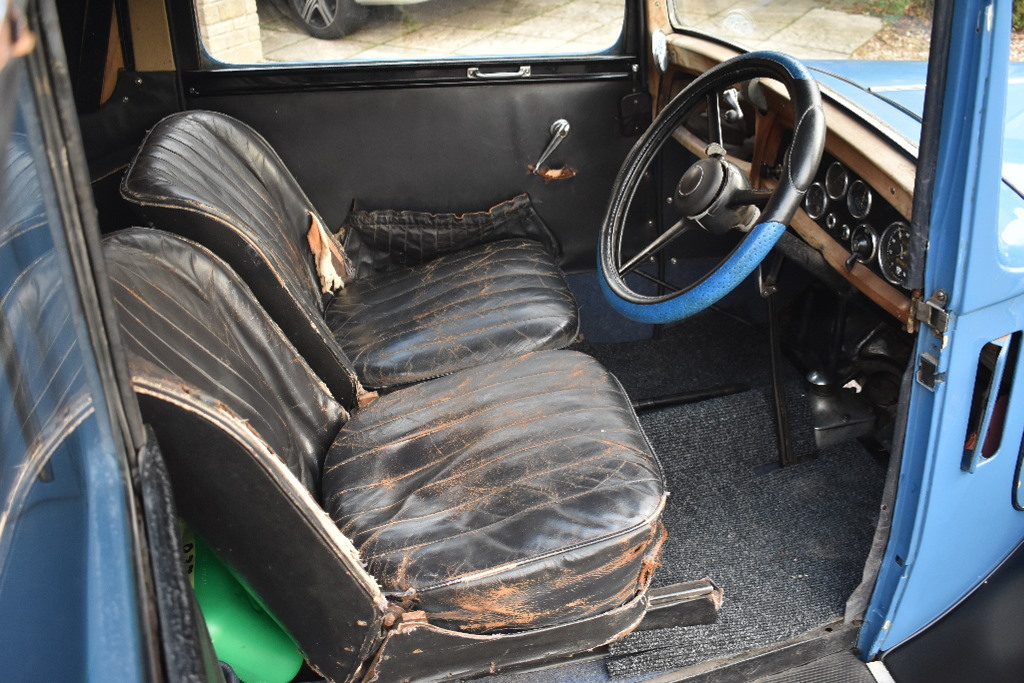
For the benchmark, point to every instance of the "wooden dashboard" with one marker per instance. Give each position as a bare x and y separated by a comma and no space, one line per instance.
886,170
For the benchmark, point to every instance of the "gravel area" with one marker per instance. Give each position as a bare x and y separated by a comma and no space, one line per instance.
907,37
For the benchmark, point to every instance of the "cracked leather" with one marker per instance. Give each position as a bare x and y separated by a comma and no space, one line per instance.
517,495
478,305
214,180
243,425
379,241
192,327
514,495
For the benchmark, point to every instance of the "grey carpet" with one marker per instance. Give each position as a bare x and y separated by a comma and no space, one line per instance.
707,350
786,545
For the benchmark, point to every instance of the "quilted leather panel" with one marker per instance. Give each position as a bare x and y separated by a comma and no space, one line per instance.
188,321
514,495
493,301
380,241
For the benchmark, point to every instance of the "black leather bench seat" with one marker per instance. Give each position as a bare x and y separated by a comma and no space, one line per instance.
510,496
214,180
513,495
478,305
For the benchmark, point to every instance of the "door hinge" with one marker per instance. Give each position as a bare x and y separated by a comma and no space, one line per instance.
932,312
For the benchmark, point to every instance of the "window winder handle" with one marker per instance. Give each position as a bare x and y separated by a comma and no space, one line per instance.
559,130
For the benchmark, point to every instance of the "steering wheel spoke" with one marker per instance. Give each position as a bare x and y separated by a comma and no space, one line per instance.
678,229
668,286
757,198
714,119
713,193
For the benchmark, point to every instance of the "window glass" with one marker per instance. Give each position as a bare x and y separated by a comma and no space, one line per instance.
816,29
260,31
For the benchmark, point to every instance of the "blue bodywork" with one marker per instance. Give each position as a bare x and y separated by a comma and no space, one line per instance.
68,597
953,526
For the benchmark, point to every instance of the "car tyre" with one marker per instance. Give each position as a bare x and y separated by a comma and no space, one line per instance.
329,19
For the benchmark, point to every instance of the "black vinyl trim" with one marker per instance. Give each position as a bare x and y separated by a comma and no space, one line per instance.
352,75
124,33
928,154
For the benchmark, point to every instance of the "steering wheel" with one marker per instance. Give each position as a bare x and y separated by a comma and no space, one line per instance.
714,194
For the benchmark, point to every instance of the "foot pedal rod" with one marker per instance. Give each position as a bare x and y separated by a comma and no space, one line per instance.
768,286
689,396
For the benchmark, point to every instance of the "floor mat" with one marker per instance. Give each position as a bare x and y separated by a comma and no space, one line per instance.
706,350
786,545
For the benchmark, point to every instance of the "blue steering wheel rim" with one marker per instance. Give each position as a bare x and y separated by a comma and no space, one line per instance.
740,263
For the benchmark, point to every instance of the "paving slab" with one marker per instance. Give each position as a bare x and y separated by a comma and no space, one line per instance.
514,27
311,49
842,33
546,26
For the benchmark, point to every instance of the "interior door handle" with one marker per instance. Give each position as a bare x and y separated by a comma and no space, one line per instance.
474,72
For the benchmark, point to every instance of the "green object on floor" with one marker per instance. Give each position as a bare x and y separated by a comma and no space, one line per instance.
243,632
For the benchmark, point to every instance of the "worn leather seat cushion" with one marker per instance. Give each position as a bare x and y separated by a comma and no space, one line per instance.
213,179
481,304
518,494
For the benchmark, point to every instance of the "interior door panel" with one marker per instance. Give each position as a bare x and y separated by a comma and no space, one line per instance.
449,147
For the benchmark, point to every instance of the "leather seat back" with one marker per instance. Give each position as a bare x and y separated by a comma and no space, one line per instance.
243,424
216,181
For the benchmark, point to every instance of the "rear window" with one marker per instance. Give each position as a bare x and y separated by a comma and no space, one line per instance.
267,31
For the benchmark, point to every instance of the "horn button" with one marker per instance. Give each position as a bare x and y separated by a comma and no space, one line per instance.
706,192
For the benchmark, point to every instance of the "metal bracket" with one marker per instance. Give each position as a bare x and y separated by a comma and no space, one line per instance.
932,312
928,374
768,282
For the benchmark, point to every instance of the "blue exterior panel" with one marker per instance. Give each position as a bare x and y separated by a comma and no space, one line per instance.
952,528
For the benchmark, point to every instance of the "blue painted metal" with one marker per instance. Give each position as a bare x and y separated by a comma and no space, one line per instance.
68,596
877,74
951,527
864,84
741,263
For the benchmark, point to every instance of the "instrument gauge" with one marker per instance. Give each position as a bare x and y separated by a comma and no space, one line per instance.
894,253
836,180
864,243
858,201
816,201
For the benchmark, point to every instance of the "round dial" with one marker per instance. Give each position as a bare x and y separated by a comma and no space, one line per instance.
816,201
894,252
836,180
830,222
864,242
858,201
